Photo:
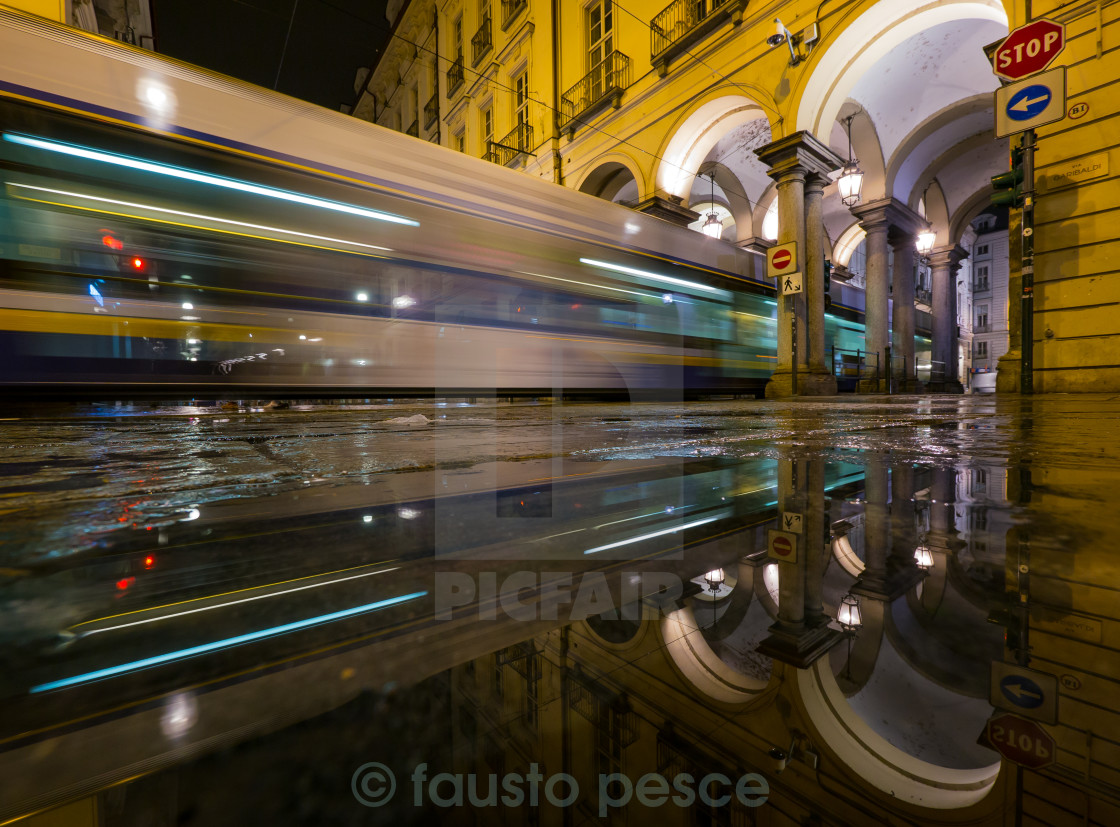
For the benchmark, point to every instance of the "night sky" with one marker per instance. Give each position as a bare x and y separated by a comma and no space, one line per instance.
330,40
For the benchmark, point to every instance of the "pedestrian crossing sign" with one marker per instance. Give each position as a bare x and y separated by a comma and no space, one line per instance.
789,284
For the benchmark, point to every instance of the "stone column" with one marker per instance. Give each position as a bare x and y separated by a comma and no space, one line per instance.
819,381
943,265
903,368
791,161
791,227
876,280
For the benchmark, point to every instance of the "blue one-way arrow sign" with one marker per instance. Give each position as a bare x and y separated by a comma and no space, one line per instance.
1029,102
1038,100
1021,691
1026,692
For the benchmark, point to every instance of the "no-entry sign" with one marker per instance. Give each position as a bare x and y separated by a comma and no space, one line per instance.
1029,49
782,545
781,259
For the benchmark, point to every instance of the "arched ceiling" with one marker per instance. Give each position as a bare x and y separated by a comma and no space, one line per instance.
926,73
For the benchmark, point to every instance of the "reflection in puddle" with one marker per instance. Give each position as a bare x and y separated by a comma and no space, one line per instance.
594,624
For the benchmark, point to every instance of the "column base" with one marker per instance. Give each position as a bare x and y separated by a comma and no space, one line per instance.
891,587
1009,372
780,384
872,386
816,383
800,647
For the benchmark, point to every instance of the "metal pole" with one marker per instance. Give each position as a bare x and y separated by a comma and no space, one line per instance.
1026,376
890,372
793,331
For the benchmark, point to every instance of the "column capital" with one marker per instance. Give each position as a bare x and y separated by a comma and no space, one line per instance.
815,183
949,257
755,244
800,152
900,219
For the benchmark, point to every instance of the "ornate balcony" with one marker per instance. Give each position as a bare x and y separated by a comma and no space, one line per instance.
517,143
413,129
510,10
684,22
923,297
431,110
600,87
482,41
981,285
454,76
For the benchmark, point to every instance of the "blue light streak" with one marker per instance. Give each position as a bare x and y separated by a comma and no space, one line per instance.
202,178
204,648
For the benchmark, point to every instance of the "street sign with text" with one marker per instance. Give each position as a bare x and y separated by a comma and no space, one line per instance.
1022,742
1029,49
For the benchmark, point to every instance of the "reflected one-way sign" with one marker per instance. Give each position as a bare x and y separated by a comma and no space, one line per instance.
1038,100
1026,692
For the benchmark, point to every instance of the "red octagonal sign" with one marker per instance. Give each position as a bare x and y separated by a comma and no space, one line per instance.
1029,49
1021,741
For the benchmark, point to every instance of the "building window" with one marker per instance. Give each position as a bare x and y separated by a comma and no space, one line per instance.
486,121
982,315
459,141
982,250
600,43
981,350
457,37
521,99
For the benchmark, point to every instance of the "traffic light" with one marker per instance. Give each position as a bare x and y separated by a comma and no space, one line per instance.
1007,185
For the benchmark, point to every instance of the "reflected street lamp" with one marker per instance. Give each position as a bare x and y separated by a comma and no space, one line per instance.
923,556
850,618
715,579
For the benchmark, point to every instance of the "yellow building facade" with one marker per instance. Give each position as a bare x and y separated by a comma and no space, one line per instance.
700,108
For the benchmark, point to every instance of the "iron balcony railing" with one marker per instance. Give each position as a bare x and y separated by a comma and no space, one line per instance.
980,286
982,328
510,10
482,41
516,143
682,18
455,76
413,129
923,296
431,110
601,86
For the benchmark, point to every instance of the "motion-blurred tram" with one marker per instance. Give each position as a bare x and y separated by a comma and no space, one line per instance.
164,230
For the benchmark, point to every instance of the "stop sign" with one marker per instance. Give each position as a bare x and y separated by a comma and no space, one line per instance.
1029,49
1021,741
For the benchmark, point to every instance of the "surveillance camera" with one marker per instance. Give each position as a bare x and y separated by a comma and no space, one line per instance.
780,36
778,759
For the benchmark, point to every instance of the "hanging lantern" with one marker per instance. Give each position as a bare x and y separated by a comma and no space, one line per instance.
923,557
925,242
850,182
713,227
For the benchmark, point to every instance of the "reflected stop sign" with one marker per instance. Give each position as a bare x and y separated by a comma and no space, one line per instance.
1021,741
